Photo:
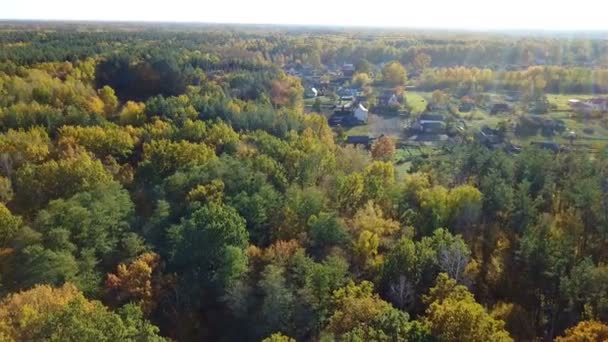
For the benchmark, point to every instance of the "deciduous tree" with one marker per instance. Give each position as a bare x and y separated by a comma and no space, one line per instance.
394,74
383,148
454,315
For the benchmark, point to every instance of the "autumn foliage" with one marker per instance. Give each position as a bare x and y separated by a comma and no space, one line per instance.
135,282
383,148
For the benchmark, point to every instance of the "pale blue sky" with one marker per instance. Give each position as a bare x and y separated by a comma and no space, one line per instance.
468,14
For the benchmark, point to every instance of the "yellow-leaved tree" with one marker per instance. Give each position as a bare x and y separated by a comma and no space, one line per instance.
454,315
134,282
21,312
586,331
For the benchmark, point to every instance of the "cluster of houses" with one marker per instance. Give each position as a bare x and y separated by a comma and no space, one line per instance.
321,81
318,83
352,107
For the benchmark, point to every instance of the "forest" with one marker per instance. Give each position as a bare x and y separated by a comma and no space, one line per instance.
172,183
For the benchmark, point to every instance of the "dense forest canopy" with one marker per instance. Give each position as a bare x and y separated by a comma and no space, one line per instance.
172,183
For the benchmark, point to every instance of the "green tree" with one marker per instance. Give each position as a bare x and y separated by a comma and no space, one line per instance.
44,266
401,273
364,66
96,220
208,248
326,230
9,225
585,290
279,302
35,185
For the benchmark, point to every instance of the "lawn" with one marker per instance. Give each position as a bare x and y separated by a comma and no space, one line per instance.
561,100
325,101
358,130
478,118
417,100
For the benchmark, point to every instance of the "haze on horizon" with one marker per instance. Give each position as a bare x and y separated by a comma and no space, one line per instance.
443,14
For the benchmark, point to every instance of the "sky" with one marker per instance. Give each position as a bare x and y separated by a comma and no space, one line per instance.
458,14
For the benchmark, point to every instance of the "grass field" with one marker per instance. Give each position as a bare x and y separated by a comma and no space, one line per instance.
325,101
561,100
358,130
417,100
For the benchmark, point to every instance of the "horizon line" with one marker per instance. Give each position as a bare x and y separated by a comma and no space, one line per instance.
301,25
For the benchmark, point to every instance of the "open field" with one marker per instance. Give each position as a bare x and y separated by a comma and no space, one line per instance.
561,100
378,125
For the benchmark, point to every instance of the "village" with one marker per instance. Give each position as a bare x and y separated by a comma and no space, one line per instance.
425,123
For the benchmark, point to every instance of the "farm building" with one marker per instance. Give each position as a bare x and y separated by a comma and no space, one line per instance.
432,124
360,140
430,127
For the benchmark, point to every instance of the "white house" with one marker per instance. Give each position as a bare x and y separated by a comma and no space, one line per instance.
361,113
311,92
